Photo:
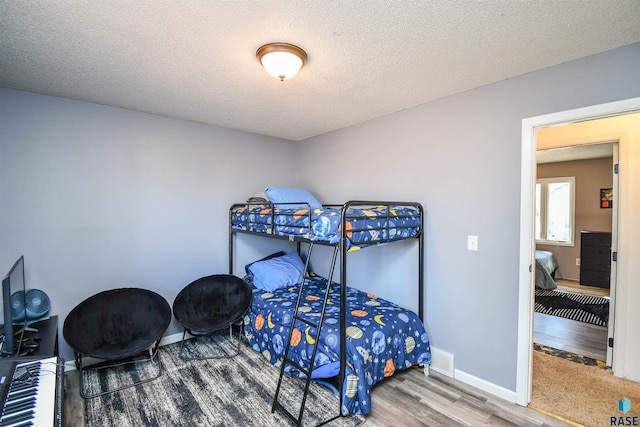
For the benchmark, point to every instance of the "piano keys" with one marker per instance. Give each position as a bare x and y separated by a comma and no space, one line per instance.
35,395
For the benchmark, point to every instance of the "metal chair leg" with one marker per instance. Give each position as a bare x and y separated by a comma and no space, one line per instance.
153,356
214,356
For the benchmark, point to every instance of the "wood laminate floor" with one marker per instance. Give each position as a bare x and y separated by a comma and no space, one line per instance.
409,398
575,286
569,335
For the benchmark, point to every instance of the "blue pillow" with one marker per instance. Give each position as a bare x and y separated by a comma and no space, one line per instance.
275,273
274,255
291,194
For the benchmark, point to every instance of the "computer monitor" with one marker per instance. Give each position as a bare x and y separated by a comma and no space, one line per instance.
13,308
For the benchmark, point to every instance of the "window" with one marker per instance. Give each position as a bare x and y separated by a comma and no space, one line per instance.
554,222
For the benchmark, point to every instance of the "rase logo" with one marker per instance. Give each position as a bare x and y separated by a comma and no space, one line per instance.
624,406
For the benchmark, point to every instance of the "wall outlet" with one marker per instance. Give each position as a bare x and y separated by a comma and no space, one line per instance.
577,261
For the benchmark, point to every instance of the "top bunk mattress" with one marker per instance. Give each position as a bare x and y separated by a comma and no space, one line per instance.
365,224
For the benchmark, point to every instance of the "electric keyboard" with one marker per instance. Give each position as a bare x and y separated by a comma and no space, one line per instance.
35,396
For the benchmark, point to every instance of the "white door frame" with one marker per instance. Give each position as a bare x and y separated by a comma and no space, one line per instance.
614,247
527,194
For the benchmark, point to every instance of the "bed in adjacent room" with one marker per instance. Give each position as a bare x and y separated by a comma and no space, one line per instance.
546,268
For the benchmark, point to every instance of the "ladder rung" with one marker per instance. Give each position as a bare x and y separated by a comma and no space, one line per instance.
298,317
303,320
298,367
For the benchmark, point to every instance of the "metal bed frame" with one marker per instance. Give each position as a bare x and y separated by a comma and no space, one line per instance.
340,246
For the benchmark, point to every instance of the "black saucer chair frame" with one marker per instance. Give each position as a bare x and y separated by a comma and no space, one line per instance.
153,356
211,304
223,354
121,327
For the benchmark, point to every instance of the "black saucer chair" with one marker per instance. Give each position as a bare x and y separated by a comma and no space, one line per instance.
117,326
211,304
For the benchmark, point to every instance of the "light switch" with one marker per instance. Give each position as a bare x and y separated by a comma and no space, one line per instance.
472,243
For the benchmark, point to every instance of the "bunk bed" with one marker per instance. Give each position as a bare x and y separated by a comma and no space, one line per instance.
352,337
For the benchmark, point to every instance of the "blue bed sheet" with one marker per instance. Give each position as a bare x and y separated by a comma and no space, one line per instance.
382,337
365,226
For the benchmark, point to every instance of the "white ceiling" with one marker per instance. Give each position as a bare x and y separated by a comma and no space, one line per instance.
574,152
195,59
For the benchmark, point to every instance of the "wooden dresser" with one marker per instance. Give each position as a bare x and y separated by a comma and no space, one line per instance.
595,258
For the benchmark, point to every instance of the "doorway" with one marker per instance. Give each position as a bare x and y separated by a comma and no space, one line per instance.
622,359
573,235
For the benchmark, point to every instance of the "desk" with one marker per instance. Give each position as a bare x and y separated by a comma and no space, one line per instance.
48,335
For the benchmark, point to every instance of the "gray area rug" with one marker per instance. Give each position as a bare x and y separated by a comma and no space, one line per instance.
215,392
583,308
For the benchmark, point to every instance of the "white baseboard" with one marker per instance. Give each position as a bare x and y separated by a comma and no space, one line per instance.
170,339
70,365
444,363
484,385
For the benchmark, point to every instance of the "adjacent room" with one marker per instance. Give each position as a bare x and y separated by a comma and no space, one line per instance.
578,346
192,238
574,204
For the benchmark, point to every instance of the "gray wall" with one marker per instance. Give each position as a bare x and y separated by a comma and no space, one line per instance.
460,156
98,197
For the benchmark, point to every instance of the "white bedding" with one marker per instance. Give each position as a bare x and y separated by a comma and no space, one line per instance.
546,267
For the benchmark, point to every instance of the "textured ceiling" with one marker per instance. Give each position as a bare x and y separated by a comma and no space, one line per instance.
196,60
575,152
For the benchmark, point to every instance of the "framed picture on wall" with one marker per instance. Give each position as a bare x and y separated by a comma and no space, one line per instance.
606,197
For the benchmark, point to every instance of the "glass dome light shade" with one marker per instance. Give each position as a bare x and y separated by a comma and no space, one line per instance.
281,60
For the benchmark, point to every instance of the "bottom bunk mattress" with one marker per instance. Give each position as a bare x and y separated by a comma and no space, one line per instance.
381,337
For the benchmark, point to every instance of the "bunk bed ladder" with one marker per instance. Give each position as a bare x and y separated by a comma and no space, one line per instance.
298,319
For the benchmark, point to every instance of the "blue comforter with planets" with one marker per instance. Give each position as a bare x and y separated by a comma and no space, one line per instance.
365,225
381,337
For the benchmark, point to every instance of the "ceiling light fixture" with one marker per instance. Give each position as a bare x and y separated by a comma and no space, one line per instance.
281,60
